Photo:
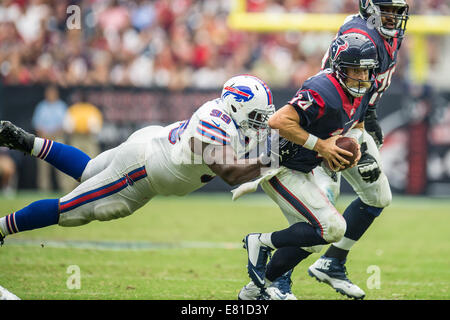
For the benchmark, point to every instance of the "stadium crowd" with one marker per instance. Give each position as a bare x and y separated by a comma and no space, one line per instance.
162,43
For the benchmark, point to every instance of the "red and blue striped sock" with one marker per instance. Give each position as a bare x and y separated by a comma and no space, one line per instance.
38,214
65,158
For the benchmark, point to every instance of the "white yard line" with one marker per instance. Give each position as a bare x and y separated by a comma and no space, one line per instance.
122,245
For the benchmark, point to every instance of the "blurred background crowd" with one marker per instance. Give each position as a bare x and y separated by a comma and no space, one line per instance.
173,44
89,72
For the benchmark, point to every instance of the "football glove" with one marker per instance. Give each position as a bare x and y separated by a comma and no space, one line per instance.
373,127
368,166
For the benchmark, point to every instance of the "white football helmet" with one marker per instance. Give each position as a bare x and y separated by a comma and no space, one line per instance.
249,101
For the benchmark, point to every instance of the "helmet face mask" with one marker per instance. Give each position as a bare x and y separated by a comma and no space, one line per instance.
354,51
249,103
357,87
258,119
389,17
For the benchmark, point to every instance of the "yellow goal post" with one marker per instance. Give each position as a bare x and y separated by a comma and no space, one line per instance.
419,26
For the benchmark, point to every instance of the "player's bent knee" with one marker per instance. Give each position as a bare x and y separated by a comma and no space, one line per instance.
379,195
110,211
67,220
101,212
385,199
335,229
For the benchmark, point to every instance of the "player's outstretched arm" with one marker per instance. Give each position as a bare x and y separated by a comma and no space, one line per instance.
223,162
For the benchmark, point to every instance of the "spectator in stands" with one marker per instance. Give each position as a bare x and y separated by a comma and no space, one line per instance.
48,121
8,177
161,43
82,123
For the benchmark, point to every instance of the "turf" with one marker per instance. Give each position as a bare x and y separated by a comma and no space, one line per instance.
190,249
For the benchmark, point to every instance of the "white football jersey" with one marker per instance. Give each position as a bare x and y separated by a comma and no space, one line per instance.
174,168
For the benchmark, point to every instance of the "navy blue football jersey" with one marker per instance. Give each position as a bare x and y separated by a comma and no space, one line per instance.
387,53
324,110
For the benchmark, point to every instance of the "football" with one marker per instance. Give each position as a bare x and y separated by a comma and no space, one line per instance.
348,144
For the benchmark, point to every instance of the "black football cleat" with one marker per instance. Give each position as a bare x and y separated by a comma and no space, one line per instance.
15,138
2,237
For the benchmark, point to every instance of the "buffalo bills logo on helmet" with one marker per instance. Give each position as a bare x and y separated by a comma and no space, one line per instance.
240,93
338,48
364,3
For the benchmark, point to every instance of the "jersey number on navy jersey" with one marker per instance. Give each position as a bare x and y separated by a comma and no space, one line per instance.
384,81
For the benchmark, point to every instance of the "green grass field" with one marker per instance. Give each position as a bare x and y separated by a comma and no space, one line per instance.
190,248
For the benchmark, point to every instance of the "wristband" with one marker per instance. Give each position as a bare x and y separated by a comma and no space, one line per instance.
310,142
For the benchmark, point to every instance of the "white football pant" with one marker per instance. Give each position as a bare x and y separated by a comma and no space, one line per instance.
113,185
376,194
301,200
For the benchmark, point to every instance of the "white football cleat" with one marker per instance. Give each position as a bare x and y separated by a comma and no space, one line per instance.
250,292
333,272
275,294
6,295
280,289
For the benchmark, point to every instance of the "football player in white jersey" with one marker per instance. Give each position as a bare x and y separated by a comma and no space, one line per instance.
172,160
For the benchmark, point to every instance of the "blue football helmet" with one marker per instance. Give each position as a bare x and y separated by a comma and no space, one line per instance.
354,50
373,12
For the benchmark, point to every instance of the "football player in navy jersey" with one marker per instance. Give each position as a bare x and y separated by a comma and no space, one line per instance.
328,105
384,23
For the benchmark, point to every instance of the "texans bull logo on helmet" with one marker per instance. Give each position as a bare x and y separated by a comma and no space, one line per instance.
338,48
240,93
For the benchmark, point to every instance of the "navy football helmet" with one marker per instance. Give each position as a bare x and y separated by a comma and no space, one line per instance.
395,26
354,50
